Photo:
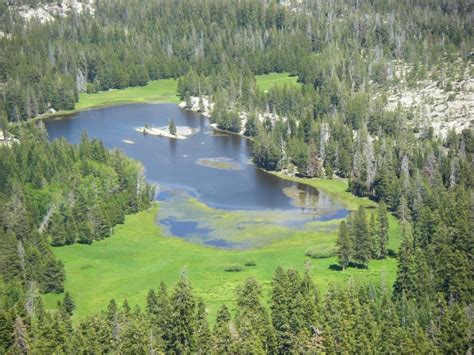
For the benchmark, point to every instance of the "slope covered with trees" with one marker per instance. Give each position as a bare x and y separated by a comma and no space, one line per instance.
348,57
56,194
352,319
337,47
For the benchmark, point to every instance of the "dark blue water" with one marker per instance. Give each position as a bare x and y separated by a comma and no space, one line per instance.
173,162
185,229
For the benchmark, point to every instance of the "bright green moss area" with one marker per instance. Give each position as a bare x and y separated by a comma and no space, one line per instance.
164,90
138,256
267,81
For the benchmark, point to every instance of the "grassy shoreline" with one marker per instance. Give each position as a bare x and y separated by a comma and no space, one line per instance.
156,91
139,255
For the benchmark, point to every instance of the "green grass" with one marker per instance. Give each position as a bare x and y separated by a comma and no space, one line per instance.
139,255
164,90
338,189
267,81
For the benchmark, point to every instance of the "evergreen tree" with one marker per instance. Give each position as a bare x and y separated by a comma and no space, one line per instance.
453,336
361,237
21,342
172,127
344,245
68,303
222,338
281,294
406,281
373,236
203,332
163,311
382,229
252,320
183,316
6,330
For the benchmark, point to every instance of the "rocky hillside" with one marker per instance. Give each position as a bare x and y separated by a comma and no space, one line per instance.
439,102
46,12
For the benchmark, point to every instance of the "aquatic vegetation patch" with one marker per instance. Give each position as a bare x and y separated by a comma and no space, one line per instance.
185,229
187,217
219,163
302,198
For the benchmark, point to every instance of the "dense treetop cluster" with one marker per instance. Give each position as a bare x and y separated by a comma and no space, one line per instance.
57,194
353,319
337,47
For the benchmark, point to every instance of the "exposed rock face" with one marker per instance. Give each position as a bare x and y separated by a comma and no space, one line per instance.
443,107
48,12
81,81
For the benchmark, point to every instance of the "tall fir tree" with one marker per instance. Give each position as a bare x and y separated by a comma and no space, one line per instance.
383,226
344,246
182,316
361,237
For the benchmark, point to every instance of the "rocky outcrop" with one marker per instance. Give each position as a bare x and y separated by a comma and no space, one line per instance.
48,12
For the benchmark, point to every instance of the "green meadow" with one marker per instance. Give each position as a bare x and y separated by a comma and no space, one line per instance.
163,90
139,255
267,81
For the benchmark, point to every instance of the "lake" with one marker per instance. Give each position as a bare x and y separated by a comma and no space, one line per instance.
209,171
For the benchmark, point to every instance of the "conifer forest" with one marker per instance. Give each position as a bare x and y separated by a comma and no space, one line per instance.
236,177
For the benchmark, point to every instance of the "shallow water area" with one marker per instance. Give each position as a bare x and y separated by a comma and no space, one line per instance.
208,191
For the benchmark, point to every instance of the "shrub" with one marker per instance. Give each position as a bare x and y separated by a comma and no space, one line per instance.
233,268
320,252
250,263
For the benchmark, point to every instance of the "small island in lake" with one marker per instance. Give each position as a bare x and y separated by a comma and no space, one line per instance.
182,132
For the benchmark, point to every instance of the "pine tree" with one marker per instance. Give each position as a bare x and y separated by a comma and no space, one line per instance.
203,333
21,342
252,321
183,316
309,301
4,125
202,108
406,281
373,237
68,303
172,127
382,220
361,237
151,303
453,329
344,245
6,330
222,338
187,99
280,312
163,310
